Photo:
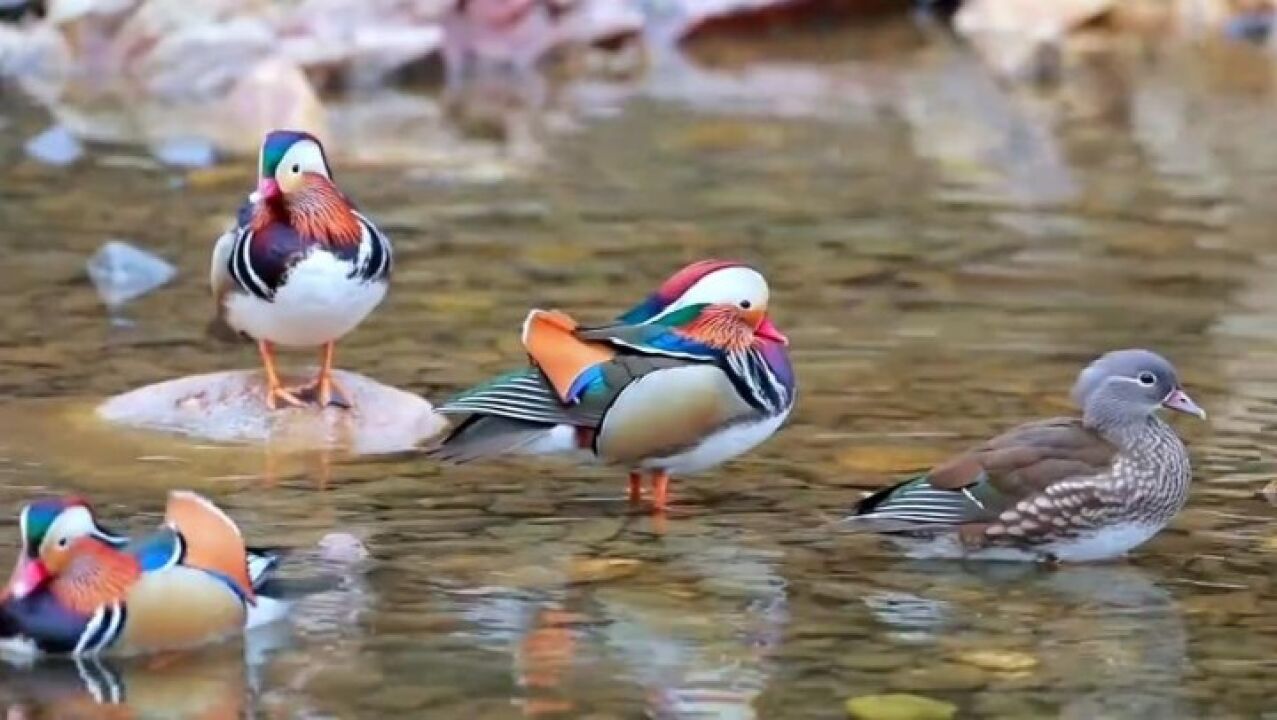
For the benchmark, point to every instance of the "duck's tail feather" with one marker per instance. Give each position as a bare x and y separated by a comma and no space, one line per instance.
481,436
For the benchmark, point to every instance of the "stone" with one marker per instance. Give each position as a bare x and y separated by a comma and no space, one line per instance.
582,571
55,146
229,407
122,272
185,152
343,548
899,706
1008,661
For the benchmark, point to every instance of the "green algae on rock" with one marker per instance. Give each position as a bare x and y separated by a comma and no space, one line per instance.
899,706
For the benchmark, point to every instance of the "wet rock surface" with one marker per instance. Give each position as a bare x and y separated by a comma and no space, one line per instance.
228,407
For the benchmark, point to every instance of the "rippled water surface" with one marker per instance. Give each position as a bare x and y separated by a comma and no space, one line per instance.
945,252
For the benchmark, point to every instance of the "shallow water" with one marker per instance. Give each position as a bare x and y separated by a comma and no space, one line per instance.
945,253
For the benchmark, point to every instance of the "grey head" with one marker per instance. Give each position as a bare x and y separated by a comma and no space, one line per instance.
1127,386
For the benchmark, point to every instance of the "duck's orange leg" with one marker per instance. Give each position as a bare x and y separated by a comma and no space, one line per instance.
660,490
326,391
636,486
275,391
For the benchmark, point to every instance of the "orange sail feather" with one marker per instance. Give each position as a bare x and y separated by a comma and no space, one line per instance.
550,339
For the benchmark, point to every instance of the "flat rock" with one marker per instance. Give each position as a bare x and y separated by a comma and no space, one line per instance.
228,407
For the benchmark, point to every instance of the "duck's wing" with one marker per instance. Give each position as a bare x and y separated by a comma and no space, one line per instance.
574,377
210,540
1050,462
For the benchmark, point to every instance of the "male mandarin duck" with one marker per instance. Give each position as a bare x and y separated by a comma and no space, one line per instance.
1072,489
302,267
82,590
693,376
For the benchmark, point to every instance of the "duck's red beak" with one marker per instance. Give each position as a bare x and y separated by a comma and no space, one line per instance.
28,576
768,331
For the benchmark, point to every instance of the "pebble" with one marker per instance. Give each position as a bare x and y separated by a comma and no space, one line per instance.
589,532
1008,661
341,547
185,152
55,146
599,570
899,706
122,272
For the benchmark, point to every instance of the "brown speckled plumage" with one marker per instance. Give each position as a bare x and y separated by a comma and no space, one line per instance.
1081,488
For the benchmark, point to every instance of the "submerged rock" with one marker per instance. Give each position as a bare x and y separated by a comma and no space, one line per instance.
229,407
899,706
185,152
55,146
122,272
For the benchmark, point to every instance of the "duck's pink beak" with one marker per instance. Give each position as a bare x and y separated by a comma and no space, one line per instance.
768,331
1179,401
267,189
28,576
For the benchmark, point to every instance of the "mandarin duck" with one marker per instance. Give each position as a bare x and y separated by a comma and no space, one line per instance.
1070,489
691,377
301,267
81,590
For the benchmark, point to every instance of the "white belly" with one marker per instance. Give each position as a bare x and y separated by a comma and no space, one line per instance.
719,447
319,303
1105,544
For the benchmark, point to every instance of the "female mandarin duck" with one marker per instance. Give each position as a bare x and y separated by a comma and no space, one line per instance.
1064,489
302,267
81,590
693,376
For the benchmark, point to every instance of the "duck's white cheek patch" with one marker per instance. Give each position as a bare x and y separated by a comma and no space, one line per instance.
729,286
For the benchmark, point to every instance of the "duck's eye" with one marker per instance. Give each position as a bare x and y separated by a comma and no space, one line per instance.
1147,378
62,542
296,168
745,304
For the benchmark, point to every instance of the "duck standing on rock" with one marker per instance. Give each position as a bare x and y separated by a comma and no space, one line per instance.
1066,489
79,590
693,376
302,267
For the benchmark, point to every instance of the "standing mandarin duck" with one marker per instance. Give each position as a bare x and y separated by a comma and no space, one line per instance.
80,590
693,376
302,267
1064,489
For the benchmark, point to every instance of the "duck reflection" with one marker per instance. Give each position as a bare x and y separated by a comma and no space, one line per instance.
227,681
216,684
1104,641
688,634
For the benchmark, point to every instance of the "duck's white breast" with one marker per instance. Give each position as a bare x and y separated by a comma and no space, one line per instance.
318,303
721,446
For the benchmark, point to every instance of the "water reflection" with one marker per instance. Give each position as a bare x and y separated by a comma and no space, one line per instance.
945,253
218,684
1101,641
688,635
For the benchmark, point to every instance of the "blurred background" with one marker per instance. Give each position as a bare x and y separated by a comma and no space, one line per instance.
957,206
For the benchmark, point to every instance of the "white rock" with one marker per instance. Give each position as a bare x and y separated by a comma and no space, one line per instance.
55,146
122,272
230,407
